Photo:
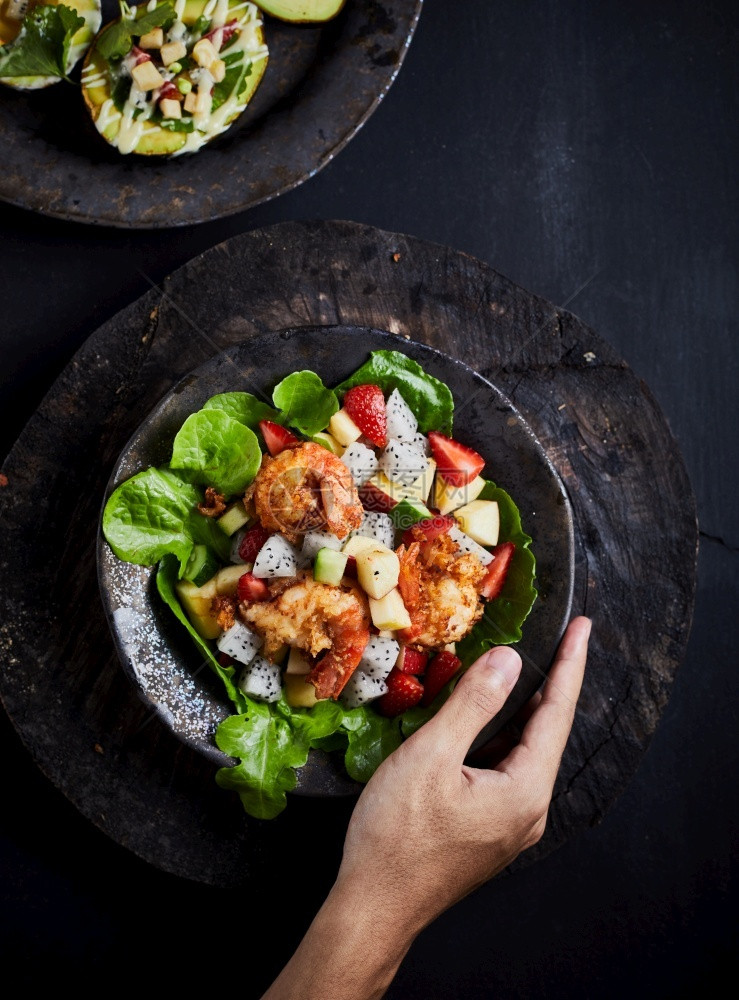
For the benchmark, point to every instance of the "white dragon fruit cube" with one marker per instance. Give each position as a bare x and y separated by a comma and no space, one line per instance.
379,657
360,689
361,461
261,680
401,422
402,462
313,541
277,557
240,643
422,444
378,526
467,544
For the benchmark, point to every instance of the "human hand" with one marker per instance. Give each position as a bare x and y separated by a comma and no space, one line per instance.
429,828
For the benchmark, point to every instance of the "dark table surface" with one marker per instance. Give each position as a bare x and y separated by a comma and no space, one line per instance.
589,152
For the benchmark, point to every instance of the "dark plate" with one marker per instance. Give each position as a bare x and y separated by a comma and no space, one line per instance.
321,85
156,651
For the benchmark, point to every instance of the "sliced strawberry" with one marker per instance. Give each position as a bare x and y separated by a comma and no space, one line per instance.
404,691
251,588
252,542
365,404
428,529
276,437
375,499
411,661
441,669
455,462
350,569
495,577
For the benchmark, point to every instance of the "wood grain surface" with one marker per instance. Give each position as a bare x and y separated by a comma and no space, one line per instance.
634,513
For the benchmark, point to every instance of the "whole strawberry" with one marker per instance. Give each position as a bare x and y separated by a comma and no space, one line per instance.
365,404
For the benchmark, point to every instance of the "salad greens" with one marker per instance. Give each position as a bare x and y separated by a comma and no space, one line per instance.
152,518
217,451
305,402
116,41
431,401
42,46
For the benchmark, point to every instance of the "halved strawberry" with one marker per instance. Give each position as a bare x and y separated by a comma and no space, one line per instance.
440,670
254,538
276,437
350,569
495,577
411,661
251,588
365,404
455,462
375,499
404,691
428,529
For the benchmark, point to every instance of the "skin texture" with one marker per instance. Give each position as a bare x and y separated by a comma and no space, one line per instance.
429,828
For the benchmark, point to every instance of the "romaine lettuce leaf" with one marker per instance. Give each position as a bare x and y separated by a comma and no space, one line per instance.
503,617
244,407
154,513
431,400
42,46
305,402
217,451
166,579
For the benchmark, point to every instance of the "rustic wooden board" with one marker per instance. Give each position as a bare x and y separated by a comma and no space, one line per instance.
635,518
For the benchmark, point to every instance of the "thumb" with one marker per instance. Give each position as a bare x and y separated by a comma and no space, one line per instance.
479,695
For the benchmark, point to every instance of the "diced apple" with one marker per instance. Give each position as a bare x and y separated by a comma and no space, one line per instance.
281,655
299,693
297,663
418,490
360,543
153,39
170,108
227,580
448,498
204,53
218,70
389,612
377,571
343,428
147,76
386,633
196,601
480,520
172,52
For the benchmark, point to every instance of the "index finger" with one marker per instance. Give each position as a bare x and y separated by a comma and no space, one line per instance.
545,734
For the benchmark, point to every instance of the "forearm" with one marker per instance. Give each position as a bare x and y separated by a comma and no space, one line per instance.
351,951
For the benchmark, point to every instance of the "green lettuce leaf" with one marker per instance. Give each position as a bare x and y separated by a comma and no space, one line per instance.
501,623
117,40
430,399
244,407
372,738
166,583
154,513
42,46
217,451
305,402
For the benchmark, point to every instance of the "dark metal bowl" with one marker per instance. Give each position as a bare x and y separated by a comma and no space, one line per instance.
155,650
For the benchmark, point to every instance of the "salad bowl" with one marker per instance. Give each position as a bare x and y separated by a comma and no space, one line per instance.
167,670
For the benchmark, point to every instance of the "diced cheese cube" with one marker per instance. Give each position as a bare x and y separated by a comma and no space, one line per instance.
172,51
203,103
153,39
170,108
147,76
204,53
218,70
191,102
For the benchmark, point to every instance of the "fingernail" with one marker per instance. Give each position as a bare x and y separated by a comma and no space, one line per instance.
506,664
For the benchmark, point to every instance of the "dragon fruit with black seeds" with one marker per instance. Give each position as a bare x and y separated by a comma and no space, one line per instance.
360,689
361,461
467,544
261,680
378,526
379,657
277,557
402,462
401,422
314,541
240,643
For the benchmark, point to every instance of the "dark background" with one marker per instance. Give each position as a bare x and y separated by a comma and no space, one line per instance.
589,152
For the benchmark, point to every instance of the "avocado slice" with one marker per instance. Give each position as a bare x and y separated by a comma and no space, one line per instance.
12,16
301,10
130,129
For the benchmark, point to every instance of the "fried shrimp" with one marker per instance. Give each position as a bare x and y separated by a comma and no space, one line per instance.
440,591
319,619
306,488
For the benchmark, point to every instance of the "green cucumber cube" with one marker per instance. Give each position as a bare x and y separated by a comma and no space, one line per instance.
329,566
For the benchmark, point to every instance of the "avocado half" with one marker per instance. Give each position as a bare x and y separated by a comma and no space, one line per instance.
99,79
302,11
10,29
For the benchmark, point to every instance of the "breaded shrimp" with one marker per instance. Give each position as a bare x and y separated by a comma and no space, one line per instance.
306,488
439,588
316,618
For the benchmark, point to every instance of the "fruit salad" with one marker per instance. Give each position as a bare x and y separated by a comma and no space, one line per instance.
338,556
